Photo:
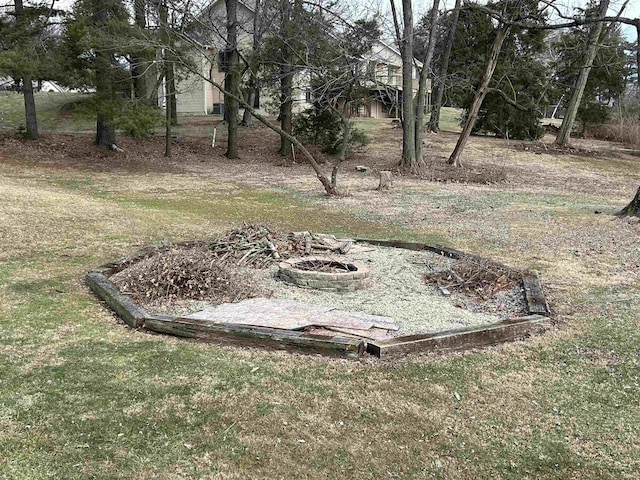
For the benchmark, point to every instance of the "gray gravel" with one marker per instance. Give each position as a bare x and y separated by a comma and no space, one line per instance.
396,290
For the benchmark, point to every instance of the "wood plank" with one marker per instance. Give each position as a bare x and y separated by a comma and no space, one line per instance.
256,336
132,313
462,339
535,299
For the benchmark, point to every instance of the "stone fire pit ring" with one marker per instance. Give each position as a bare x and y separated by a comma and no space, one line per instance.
296,271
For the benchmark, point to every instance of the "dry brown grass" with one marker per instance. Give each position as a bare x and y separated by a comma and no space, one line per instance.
623,130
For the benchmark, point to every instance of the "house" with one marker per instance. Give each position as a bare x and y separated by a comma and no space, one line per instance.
195,95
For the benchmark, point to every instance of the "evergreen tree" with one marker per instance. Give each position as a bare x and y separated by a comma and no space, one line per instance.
98,38
519,85
607,79
27,52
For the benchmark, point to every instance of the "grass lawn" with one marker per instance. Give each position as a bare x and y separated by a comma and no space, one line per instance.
50,111
82,396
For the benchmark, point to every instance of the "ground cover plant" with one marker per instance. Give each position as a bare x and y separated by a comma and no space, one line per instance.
82,396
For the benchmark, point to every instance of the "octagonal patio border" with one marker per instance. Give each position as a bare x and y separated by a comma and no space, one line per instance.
135,316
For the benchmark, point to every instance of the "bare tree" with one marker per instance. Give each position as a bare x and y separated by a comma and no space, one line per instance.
481,92
576,97
425,73
434,119
169,83
232,78
408,117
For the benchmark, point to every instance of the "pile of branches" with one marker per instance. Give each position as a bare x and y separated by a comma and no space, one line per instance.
259,246
474,278
185,273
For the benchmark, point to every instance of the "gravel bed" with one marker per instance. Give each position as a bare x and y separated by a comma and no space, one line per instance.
396,289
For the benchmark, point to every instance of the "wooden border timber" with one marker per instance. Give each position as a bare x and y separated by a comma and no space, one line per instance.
461,339
230,334
490,334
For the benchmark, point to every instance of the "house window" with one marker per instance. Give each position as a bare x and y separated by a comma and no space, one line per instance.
218,109
307,96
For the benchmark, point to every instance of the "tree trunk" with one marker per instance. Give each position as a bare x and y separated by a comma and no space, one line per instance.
481,92
105,131
168,122
564,133
30,117
286,77
173,97
286,109
422,87
638,55
233,77
139,62
253,80
408,117
251,100
633,209
344,146
434,119
167,71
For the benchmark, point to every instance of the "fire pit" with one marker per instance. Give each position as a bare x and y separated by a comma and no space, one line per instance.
323,273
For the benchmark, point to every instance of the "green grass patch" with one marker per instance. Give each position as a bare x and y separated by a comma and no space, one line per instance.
55,112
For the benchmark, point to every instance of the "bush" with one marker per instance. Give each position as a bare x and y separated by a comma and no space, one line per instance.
501,119
139,119
324,129
592,114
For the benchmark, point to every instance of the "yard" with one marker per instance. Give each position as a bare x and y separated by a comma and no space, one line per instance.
83,396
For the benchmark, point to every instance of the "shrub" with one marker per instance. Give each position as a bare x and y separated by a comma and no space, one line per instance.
139,119
323,127
593,113
503,120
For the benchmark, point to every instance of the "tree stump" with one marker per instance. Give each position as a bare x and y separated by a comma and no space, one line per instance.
633,208
385,180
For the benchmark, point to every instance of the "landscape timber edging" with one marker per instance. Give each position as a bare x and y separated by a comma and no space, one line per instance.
465,338
462,339
226,333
